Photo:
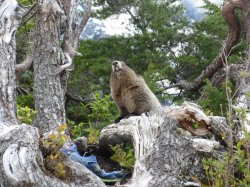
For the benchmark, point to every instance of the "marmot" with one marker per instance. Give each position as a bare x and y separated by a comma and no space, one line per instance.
130,92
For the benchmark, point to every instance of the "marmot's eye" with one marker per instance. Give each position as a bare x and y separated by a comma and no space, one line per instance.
115,63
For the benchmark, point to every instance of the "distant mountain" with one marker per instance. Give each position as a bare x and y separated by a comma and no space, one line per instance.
115,25
119,24
95,29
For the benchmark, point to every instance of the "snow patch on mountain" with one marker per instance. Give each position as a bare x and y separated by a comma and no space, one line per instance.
114,25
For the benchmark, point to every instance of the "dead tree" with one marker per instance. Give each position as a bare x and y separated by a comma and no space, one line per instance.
21,161
57,34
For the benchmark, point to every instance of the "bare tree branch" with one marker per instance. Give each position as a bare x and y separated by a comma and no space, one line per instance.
84,19
28,19
228,11
25,65
65,66
26,13
77,98
73,33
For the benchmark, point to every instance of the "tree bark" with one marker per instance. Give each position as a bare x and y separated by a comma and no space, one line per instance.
164,157
48,56
21,162
52,60
9,21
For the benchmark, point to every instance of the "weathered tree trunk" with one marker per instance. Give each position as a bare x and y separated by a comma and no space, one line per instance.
9,24
52,60
164,156
48,56
21,161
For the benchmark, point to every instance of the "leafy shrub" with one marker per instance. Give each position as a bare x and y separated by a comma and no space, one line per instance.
76,130
215,98
103,112
237,163
54,158
216,170
93,134
26,100
25,114
83,129
124,155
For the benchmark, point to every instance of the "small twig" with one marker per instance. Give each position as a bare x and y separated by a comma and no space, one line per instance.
28,19
229,170
78,99
64,66
25,65
21,90
84,19
29,10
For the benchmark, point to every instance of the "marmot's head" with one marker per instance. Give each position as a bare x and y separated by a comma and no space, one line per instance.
121,71
117,66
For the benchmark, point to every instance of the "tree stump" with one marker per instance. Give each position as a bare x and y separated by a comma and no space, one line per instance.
164,157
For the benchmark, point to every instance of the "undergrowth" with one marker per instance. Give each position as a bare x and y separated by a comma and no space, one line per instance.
124,155
233,169
54,159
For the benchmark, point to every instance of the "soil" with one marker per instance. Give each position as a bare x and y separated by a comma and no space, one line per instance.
109,165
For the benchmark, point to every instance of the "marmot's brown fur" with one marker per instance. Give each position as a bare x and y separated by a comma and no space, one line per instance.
130,92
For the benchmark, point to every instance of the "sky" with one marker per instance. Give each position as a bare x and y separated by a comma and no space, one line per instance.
193,9
119,25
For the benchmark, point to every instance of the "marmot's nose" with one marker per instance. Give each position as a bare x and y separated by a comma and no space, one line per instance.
114,63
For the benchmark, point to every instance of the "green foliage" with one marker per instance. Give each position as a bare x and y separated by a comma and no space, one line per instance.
215,99
216,170
102,112
102,109
23,46
202,45
241,113
215,18
56,140
124,155
93,134
26,100
26,2
83,129
76,130
54,158
23,39
25,114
